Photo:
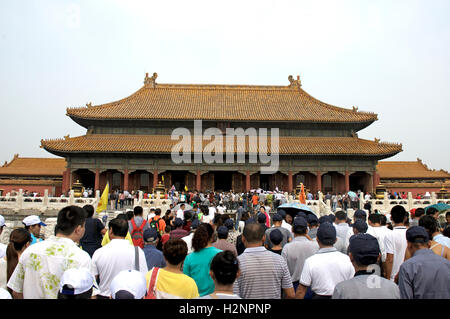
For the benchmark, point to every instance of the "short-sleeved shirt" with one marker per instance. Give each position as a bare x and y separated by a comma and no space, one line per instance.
395,243
41,266
286,236
197,266
154,257
443,240
341,230
92,238
296,252
325,269
138,220
366,286
263,275
223,244
170,285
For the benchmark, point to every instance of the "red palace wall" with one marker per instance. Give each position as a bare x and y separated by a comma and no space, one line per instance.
40,189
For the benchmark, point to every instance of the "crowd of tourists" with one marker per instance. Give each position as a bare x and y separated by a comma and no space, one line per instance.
205,253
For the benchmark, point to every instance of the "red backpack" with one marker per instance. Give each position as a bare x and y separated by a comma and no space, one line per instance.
137,233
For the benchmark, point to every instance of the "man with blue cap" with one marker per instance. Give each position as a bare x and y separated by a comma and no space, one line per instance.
325,269
276,221
313,224
364,253
425,275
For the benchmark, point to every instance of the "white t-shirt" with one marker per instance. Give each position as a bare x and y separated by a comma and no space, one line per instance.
211,212
188,240
180,214
380,233
324,270
395,243
109,260
220,210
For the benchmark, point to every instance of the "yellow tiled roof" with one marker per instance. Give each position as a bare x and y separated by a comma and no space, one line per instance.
114,143
408,169
30,166
222,102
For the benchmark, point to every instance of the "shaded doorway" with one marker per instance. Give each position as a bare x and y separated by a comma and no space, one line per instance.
178,179
223,181
264,180
85,177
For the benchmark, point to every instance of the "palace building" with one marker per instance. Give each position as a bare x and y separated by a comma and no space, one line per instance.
128,142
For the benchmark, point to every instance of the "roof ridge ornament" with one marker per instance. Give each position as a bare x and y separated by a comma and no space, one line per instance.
66,137
354,108
294,83
89,104
150,81
377,140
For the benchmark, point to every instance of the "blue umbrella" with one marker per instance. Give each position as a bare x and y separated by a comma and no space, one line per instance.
352,194
439,206
294,208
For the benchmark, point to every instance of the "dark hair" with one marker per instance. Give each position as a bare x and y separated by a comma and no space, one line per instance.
276,241
123,216
129,214
429,223
341,215
419,212
69,218
175,251
253,232
202,236
446,232
299,230
84,295
383,220
18,238
431,211
187,216
158,211
375,218
398,214
332,218
225,267
119,227
89,210
138,211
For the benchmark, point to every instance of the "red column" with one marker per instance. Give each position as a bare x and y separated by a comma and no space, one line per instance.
290,185
247,181
65,181
319,181
347,181
125,180
198,181
155,178
97,180
375,180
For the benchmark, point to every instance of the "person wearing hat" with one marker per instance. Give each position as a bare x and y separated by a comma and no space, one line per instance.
425,275
77,283
286,234
358,215
276,237
153,256
313,225
395,242
128,284
298,250
364,253
325,269
221,242
33,225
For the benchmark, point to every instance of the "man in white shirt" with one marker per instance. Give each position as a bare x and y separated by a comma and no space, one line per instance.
380,234
180,212
395,242
341,225
211,211
325,269
285,224
221,209
118,255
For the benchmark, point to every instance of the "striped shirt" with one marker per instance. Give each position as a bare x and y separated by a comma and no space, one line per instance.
263,274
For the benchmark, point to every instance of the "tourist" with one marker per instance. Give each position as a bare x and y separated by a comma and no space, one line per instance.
171,283
261,218
93,235
239,213
19,240
358,215
325,269
177,230
106,239
2,246
76,284
128,284
221,242
157,222
284,223
313,225
41,265
224,271
196,264
341,225
180,212
137,225
364,252
232,232
33,225
395,242
359,227
263,210
380,233
153,256
437,245
221,208
264,275
298,250
277,224
276,237
188,239
425,275
418,212
118,255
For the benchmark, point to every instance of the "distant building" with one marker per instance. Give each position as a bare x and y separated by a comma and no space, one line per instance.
32,175
412,176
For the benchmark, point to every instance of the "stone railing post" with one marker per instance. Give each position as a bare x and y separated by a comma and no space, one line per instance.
361,201
71,197
433,198
141,198
410,201
45,201
158,199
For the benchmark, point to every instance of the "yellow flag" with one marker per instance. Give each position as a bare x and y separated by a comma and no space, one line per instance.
103,203
162,177
185,188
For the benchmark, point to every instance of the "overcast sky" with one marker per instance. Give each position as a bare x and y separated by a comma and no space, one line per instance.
388,57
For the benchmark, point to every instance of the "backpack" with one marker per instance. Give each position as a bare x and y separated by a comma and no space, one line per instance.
137,234
154,223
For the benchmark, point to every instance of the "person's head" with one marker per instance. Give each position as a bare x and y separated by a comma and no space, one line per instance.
158,212
288,218
129,214
203,236
187,216
359,215
222,232
446,231
19,240
312,220
177,223
341,217
138,211
300,226
398,214
70,222
229,223
128,284
359,227
89,210
432,212
182,206
151,236
324,219
33,224
417,238
224,268
277,219
374,220
419,212
276,237
262,209
332,218
76,283
430,224
175,251
364,250
118,228
383,220
326,234
262,218
253,234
